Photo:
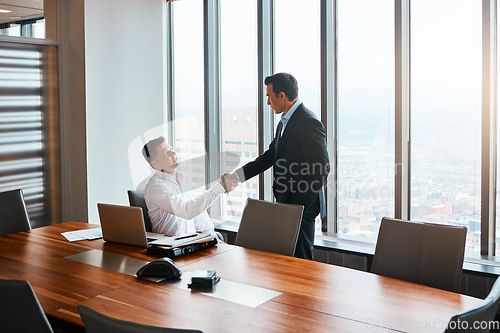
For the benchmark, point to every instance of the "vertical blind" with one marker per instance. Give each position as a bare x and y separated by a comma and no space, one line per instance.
22,127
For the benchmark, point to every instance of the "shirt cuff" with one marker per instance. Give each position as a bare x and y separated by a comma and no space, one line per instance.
240,174
218,188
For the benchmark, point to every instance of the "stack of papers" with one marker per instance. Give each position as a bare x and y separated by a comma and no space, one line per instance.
85,234
175,241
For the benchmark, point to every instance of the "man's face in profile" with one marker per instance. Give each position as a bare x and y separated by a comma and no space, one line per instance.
166,158
276,102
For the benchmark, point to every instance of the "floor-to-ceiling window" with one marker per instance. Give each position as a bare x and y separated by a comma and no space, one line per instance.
442,100
365,116
188,125
297,40
239,98
446,114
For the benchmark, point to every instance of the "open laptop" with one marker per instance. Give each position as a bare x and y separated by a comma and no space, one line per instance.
124,224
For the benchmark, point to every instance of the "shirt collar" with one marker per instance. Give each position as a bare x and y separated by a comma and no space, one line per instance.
286,117
166,176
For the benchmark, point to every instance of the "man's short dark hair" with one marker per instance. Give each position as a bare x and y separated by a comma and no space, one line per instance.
149,150
283,82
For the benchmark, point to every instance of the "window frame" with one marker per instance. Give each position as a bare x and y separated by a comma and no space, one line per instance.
329,103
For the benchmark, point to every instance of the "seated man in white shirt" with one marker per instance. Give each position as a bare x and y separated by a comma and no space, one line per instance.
172,206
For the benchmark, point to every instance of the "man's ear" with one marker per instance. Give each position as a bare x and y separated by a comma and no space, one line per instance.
154,164
282,95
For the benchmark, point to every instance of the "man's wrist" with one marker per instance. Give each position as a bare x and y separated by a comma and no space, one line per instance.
219,188
240,175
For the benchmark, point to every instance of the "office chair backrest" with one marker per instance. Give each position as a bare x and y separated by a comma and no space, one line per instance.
482,316
20,310
269,226
13,213
138,201
96,322
424,253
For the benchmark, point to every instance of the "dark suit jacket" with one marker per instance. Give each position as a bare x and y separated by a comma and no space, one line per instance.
300,160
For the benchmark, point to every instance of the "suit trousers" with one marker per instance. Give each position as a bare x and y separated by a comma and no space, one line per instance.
305,241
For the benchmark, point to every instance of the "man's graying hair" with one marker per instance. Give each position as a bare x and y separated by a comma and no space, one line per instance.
149,150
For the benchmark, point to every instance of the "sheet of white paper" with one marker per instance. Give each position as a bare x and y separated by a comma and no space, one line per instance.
70,236
88,234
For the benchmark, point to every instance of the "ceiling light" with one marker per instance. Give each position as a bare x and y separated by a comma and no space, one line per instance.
5,11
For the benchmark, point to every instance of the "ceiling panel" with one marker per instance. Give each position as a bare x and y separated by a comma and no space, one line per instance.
21,10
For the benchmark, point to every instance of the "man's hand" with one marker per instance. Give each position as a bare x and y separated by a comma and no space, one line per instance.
229,181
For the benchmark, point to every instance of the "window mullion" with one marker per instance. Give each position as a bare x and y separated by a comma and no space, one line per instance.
402,109
211,37
265,41
170,87
329,105
488,155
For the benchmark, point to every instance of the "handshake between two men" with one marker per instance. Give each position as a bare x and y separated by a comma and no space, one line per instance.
303,145
229,181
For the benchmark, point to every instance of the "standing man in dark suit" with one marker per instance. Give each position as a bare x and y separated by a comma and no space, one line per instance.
298,156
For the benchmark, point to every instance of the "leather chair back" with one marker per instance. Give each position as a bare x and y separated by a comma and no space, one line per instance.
96,322
484,314
423,253
13,213
21,311
270,226
138,201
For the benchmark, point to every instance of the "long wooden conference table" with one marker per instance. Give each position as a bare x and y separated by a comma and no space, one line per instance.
311,296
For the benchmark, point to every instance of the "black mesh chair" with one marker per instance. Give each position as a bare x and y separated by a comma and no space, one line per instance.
13,213
424,253
138,201
21,311
482,316
96,322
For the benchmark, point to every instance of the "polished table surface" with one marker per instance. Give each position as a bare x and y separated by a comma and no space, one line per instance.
315,297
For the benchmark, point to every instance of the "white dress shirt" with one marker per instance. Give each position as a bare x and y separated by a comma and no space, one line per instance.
173,207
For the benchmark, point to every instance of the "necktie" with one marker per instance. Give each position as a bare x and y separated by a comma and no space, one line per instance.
278,134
